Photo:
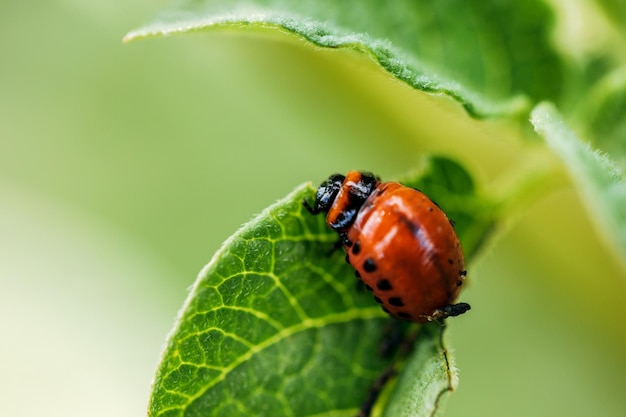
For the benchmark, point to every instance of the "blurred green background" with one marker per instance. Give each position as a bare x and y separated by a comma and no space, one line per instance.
123,168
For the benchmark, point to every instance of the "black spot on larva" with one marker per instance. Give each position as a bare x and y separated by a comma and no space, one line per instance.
356,248
367,287
384,285
450,261
396,301
378,300
404,315
452,222
386,311
356,274
347,258
430,209
463,273
369,265
459,283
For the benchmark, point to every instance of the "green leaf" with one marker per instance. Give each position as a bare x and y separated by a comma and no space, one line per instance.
616,11
429,375
275,326
602,115
501,48
268,330
599,180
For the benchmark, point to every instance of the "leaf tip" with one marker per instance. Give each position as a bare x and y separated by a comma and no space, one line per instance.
130,36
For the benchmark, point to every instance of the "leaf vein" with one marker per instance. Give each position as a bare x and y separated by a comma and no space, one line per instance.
307,324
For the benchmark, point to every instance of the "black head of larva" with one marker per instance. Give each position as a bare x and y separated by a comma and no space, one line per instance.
326,194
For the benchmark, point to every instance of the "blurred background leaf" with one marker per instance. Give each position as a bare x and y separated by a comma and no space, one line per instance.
123,168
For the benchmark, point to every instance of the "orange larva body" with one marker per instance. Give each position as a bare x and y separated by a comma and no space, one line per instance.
400,243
